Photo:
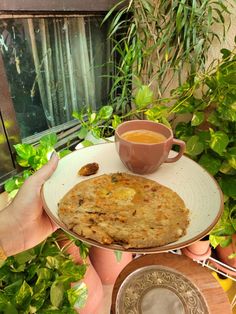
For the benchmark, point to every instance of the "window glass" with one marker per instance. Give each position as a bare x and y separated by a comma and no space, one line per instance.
54,66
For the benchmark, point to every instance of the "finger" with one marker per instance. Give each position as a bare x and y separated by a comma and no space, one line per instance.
47,170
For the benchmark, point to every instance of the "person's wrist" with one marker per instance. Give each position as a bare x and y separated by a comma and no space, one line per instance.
11,235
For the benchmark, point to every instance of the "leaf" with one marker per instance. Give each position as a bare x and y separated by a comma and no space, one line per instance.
219,141
219,240
231,157
214,119
77,115
57,293
24,295
78,295
10,185
92,117
64,153
24,151
183,131
48,140
105,112
10,309
210,163
193,146
116,121
25,256
198,118
44,274
87,143
228,185
226,168
82,133
143,97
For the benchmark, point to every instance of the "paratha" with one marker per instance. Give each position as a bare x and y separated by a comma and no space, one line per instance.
124,209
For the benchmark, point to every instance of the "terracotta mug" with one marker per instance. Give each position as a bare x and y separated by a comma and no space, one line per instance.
144,158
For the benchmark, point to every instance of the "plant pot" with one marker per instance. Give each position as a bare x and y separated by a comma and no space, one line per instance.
94,303
223,253
106,264
199,250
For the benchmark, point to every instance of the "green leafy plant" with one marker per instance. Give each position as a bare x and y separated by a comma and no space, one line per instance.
32,158
95,123
210,134
154,40
39,281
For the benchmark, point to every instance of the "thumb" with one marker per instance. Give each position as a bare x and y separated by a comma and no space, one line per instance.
47,170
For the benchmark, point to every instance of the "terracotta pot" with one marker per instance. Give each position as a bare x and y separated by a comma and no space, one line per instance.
94,303
224,253
106,264
199,250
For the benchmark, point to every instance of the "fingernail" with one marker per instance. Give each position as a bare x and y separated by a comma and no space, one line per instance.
53,155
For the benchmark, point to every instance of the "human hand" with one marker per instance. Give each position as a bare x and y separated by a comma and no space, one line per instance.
24,223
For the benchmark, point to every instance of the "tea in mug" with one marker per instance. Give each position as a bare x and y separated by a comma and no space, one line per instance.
143,136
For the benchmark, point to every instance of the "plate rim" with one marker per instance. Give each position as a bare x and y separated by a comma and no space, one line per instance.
160,249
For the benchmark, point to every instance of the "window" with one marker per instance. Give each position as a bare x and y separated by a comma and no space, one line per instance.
54,66
54,55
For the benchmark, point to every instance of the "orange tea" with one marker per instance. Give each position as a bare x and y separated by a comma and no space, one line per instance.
143,136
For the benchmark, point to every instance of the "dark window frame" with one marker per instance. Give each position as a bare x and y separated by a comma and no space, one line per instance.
39,8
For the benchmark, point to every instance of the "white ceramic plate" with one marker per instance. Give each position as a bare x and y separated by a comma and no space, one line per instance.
198,189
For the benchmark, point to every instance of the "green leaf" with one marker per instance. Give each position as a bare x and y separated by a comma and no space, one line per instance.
87,143
24,151
198,118
116,121
57,293
193,146
231,157
219,141
219,240
78,295
143,97
77,115
10,309
226,168
105,112
64,153
25,256
44,274
183,131
48,140
210,163
3,300
214,119
92,117
228,185
82,133
10,185
24,295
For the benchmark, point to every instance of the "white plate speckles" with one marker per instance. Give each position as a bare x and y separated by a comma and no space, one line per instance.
198,189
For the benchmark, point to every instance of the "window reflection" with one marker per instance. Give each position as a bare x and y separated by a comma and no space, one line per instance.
54,66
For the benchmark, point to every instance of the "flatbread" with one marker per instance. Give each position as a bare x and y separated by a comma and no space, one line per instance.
124,209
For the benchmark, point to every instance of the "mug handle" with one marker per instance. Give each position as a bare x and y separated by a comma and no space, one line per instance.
180,153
